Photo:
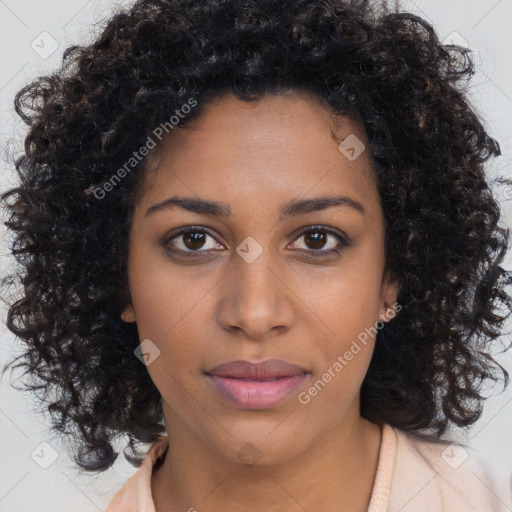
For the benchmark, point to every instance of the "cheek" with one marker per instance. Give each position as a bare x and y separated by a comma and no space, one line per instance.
338,382
348,301
343,355
174,326
348,306
161,296
168,308
174,321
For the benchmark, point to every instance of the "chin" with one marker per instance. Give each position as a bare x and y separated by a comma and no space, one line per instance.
263,445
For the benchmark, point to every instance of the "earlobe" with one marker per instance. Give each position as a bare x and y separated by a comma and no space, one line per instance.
128,315
124,300
388,314
390,290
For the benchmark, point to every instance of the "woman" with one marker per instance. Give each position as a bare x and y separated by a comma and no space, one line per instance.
265,230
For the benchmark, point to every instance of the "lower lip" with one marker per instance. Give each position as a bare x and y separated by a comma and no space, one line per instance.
256,394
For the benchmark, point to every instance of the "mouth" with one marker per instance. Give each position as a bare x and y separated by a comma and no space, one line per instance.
262,385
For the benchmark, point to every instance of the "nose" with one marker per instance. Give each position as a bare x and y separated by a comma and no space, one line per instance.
256,299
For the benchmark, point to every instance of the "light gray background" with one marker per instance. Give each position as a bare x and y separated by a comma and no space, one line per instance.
24,485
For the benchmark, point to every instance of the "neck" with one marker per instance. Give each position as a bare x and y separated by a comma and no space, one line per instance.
335,473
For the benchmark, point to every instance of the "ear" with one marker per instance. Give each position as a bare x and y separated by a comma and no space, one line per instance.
128,314
125,305
389,292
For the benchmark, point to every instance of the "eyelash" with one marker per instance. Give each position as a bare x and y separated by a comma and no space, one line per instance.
343,240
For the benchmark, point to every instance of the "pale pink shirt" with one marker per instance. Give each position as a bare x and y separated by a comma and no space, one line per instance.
413,475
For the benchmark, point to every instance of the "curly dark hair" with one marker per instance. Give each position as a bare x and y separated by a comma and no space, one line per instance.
384,68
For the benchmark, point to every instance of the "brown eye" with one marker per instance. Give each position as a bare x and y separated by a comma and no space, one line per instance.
194,239
315,239
321,242
190,240
318,242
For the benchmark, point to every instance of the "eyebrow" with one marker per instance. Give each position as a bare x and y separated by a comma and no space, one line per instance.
291,209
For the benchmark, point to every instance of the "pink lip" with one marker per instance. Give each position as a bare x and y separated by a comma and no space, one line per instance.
256,394
257,385
269,369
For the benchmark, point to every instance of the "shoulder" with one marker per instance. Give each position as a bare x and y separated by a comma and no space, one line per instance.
436,476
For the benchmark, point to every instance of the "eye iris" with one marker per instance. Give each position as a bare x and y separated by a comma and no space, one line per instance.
194,237
317,237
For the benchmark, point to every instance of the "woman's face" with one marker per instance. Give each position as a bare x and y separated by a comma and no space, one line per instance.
243,284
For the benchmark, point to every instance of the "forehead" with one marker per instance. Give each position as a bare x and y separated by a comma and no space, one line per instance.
277,147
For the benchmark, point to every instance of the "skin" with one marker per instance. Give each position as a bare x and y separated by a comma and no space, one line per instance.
201,312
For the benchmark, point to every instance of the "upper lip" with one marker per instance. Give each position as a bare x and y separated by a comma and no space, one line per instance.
271,368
